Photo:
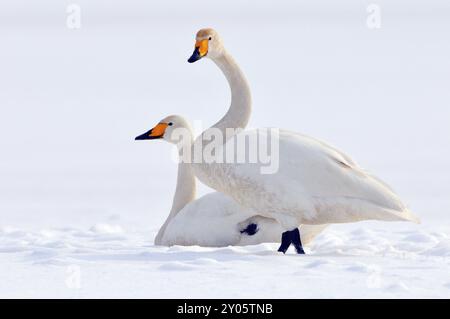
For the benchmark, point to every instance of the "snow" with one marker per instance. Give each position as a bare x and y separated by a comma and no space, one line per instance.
80,201
345,262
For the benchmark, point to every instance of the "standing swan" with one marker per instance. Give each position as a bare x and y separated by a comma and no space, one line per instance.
214,220
315,183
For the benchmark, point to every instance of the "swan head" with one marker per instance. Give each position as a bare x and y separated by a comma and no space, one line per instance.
207,44
173,129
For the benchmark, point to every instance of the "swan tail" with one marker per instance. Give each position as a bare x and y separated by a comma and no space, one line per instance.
387,214
406,215
346,209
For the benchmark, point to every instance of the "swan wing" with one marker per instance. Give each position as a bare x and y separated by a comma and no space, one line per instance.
314,183
216,220
211,220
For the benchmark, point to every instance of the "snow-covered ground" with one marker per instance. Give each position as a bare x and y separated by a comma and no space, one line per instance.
107,261
80,201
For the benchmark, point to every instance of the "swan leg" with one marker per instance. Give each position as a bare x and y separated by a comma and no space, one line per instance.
286,240
297,241
291,237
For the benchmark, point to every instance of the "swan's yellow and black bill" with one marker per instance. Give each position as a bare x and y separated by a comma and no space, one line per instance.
201,49
154,133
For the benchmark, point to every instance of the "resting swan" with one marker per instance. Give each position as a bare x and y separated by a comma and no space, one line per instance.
214,220
315,182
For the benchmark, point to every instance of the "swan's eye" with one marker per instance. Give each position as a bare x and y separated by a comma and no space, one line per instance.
170,123
210,38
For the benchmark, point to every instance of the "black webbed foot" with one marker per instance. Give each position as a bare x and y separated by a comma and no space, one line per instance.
297,242
285,242
291,237
250,230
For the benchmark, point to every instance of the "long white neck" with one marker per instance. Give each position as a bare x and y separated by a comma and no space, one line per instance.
240,109
185,193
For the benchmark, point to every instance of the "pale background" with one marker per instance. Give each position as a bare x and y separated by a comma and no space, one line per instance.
72,101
